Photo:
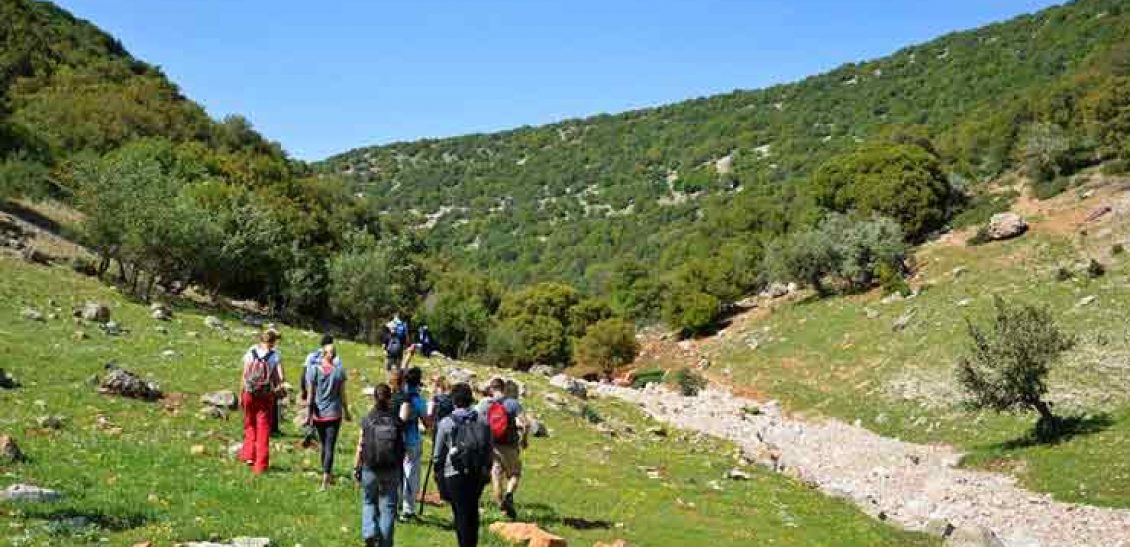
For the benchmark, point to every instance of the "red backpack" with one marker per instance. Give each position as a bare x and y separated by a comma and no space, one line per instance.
501,424
259,377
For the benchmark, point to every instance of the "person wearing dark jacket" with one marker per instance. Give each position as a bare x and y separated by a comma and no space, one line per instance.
380,485
462,459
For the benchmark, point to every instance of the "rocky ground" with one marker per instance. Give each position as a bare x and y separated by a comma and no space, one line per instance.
915,486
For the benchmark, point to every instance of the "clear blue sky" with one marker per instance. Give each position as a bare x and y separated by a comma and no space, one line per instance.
328,76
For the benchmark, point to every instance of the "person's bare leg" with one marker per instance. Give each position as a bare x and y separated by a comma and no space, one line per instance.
512,485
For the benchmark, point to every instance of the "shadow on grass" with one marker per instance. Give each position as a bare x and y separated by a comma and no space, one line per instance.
548,517
105,520
1061,429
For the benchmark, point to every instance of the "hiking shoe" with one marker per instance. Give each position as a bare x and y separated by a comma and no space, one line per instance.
508,506
405,518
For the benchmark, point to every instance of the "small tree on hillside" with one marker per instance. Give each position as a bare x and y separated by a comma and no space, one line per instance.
607,346
1008,362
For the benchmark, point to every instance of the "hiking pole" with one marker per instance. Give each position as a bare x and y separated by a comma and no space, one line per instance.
427,475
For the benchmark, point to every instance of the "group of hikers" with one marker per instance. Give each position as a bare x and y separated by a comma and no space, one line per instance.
472,445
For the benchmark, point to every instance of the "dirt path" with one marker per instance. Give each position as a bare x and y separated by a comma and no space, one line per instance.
907,484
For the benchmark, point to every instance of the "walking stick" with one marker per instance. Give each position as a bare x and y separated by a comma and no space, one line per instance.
427,475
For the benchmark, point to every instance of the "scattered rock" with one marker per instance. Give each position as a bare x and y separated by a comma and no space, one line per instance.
775,290
235,542
554,399
79,336
10,451
542,370
1086,300
222,399
964,302
111,328
904,320
1006,226
958,271
168,354
736,474
127,384
573,386
50,422
617,543
871,313
657,431
7,381
192,334
891,298
537,429
160,312
213,322
975,536
28,493
1097,213
96,312
457,375
525,533
32,314
939,528
197,450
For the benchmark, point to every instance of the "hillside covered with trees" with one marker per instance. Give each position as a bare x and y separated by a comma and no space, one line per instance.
681,204
548,245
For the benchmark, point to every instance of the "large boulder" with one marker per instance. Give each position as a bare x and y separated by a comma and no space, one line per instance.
571,385
221,399
127,384
1006,225
537,429
96,311
457,375
32,314
28,493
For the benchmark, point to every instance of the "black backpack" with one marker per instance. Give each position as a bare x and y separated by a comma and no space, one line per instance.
382,441
443,406
470,448
395,346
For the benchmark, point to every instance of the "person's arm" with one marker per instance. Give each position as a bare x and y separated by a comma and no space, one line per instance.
309,396
405,411
344,399
357,456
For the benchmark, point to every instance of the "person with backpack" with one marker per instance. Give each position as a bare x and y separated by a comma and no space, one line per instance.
412,410
508,435
462,458
394,348
425,341
326,401
262,376
377,467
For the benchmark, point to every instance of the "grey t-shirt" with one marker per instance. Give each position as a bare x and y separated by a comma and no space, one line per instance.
326,386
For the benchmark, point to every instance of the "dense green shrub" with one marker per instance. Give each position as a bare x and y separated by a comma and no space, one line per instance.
904,182
645,377
980,237
505,348
607,346
1095,269
691,312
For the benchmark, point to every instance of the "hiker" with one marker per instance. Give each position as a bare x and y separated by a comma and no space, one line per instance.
377,467
503,413
326,403
425,342
462,458
440,405
262,376
412,409
394,347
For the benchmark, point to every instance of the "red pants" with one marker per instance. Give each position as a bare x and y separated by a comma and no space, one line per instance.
257,430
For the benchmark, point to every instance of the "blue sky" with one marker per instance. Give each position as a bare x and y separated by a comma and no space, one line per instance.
348,73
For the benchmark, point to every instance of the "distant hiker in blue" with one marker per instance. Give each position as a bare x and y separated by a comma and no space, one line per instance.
412,408
425,341
326,402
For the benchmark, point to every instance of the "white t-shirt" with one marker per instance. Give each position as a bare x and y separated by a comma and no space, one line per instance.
272,361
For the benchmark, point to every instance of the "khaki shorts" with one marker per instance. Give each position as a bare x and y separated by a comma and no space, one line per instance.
507,461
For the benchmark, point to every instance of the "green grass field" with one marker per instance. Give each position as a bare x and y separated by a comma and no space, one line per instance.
826,357
143,484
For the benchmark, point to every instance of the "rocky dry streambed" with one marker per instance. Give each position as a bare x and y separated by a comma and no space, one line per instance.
915,486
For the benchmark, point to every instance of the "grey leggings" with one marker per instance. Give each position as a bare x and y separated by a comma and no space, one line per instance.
327,435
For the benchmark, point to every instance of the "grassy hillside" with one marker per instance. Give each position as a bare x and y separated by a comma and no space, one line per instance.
678,182
843,357
143,482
